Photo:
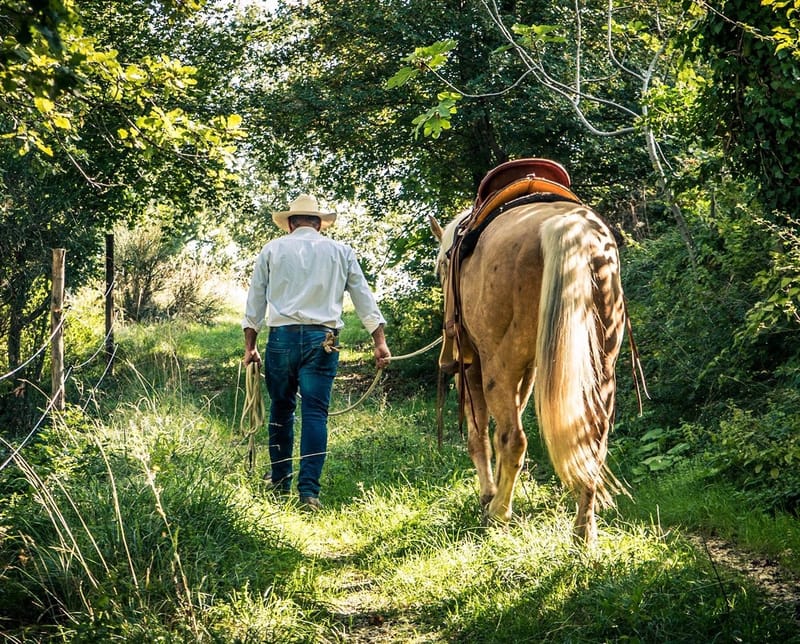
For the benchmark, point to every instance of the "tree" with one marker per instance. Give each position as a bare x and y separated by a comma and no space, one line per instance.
746,121
748,108
616,68
324,119
91,138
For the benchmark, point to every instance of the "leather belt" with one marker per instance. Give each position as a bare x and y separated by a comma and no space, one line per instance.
297,328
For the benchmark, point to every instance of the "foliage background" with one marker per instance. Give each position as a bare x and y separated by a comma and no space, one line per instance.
186,123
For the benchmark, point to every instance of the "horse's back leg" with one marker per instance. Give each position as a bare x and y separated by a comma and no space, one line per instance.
478,443
510,444
585,529
609,325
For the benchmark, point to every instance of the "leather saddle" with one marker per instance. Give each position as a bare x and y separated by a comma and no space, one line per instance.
519,178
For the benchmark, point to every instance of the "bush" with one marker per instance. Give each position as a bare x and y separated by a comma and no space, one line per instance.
414,321
760,453
157,279
646,449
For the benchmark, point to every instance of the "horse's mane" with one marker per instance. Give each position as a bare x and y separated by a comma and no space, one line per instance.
448,235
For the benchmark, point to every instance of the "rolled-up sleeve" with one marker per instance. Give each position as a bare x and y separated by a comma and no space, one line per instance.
361,295
256,306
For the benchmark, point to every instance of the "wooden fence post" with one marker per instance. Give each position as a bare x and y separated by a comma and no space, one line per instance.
110,302
56,317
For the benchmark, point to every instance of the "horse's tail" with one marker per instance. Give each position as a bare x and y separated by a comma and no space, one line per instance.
569,360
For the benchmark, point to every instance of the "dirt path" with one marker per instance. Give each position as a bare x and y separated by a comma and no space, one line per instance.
370,621
369,624
773,579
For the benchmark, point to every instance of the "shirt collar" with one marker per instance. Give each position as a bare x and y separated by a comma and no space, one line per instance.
305,231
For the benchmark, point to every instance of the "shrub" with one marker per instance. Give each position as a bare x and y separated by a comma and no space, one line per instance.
656,449
760,453
157,279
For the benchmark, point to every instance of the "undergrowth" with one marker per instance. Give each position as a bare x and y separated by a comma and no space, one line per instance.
139,520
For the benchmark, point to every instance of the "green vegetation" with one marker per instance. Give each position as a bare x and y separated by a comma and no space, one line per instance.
144,526
179,125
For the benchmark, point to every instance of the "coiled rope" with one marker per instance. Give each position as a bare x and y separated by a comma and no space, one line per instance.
253,411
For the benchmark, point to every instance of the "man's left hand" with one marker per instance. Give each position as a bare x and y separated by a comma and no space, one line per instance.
382,355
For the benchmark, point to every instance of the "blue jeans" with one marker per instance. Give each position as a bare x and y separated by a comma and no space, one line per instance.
296,359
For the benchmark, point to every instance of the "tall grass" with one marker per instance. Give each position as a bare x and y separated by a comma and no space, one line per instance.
141,523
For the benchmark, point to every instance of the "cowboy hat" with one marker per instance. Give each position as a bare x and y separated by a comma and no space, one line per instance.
303,205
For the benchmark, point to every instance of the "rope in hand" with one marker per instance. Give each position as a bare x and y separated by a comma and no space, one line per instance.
378,376
253,411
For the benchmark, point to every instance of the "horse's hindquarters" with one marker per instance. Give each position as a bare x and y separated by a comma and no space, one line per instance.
541,293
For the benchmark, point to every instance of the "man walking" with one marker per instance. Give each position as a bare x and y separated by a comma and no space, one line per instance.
298,284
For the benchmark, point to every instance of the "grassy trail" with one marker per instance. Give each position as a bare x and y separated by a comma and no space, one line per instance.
401,553
398,554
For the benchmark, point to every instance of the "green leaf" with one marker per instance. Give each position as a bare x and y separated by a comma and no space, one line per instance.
532,34
44,105
233,122
433,56
653,434
135,74
62,122
404,75
42,146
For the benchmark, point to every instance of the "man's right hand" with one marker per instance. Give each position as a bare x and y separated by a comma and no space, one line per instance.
251,355
381,350
382,356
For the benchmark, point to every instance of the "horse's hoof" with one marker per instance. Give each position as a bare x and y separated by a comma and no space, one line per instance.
584,534
486,499
584,539
491,521
493,517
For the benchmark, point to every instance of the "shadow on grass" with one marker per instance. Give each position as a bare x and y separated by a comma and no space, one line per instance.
143,547
668,598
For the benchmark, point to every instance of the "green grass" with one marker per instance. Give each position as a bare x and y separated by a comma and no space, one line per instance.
141,523
685,498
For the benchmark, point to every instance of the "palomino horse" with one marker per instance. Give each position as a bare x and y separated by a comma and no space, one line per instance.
540,299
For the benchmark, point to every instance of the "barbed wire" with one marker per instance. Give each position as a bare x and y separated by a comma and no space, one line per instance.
50,404
39,351
99,349
59,326
110,288
94,389
67,376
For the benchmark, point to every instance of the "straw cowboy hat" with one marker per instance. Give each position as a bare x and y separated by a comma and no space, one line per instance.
303,205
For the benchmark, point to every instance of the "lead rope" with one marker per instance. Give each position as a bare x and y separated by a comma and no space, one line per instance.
378,376
254,411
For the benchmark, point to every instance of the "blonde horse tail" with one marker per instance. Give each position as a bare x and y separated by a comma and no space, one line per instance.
568,359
